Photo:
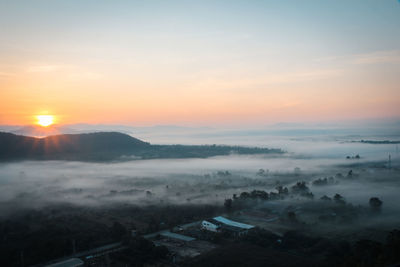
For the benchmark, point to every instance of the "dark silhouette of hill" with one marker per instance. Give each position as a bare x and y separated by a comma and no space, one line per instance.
379,142
106,146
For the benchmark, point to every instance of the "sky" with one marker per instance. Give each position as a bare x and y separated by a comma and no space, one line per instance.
199,62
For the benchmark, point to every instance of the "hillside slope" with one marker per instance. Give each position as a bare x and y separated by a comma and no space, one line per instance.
105,146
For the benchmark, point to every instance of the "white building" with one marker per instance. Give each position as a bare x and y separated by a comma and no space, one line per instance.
219,223
211,225
73,262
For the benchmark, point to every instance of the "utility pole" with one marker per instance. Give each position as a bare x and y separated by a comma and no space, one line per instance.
22,258
108,262
73,247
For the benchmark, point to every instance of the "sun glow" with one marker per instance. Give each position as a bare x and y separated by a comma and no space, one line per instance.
45,120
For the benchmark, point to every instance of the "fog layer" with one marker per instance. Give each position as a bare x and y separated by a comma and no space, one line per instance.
33,184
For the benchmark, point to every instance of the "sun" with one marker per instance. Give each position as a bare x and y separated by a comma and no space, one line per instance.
45,120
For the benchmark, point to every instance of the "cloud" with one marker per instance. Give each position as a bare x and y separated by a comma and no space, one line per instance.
88,75
245,83
43,68
376,57
72,72
304,76
6,74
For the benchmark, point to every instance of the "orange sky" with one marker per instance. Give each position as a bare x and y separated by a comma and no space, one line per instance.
178,68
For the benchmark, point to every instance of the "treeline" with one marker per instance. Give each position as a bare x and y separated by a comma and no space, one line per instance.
299,189
107,146
35,237
379,142
244,198
261,248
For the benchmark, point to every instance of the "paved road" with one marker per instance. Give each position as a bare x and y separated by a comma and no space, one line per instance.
91,252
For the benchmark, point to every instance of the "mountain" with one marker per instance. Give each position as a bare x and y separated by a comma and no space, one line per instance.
56,129
106,146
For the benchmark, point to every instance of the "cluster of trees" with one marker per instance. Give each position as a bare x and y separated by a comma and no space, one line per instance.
105,146
372,253
353,157
255,195
224,174
262,172
374,202
379,142
263,195
343,211
300,188
324,181
35,237
202,151
294,248
339,199
140,252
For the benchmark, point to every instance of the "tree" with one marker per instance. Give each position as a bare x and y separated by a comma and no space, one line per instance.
244,195
375,203
292,216
339,199
118,231
300,187
326,198
261,172
228,204
259,194
282,190
309,195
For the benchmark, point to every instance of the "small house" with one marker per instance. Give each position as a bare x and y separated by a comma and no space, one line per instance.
211,225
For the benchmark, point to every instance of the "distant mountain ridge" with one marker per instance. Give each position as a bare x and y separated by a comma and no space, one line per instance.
39,131
57,129
106,146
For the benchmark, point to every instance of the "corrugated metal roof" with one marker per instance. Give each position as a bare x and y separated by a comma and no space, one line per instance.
177,236
74,262
233,223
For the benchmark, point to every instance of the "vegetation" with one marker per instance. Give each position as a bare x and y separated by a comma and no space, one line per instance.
36,237
375,203
106,146
378,142
261,248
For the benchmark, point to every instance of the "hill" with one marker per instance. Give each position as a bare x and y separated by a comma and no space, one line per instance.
106,146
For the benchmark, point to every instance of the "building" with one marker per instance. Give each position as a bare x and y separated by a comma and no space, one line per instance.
226,221
133,233
177,237
211,225
73,262
222,224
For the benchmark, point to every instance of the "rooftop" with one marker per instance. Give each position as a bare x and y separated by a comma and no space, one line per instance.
177,236
73,262
233,223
